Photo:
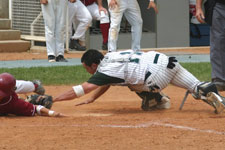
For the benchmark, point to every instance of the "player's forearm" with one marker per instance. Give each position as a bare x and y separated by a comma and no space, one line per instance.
76,91
199,4
99,3
69,95
101,90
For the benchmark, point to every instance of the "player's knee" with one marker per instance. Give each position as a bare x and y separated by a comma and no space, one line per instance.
87,21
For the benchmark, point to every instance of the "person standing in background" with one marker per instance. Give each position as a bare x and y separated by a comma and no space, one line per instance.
102,16
131,10
215,16
80,19
54,13
81,14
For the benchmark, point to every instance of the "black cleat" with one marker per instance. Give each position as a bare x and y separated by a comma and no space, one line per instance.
61,58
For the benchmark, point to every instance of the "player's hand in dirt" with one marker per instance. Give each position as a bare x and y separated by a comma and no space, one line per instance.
90,100
57,114
153,5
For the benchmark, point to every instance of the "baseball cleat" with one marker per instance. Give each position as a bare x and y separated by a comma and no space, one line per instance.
51,58
39,89
216,101
148,105
61,58
164,104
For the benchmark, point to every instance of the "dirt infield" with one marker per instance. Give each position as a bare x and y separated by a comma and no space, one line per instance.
116,122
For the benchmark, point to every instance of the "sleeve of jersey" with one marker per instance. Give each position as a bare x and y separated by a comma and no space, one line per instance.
102,79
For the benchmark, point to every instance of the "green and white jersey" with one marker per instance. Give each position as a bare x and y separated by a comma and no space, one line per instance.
141,71
129,66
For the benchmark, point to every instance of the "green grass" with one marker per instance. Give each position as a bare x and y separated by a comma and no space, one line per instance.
70,75
201,70
61,75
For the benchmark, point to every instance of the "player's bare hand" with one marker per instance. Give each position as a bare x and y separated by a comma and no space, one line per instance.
72,1
44,1
153,5
90,100
57,114
102,9
200,15
113,4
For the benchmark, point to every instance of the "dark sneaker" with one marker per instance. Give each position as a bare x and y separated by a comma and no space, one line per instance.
39,89
71,45
61,58
77,45
51,58
105,46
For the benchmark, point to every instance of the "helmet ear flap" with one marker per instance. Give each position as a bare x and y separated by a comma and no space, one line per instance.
7,84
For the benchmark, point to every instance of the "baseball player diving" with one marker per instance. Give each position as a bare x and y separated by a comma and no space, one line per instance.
131,10
10,103
144,73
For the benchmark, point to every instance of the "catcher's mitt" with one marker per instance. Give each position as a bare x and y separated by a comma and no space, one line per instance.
44,100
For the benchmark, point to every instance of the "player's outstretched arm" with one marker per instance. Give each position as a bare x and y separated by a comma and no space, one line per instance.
98,92
42,111
76,91
152,5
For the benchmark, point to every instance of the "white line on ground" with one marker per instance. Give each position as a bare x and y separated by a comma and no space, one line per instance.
144,125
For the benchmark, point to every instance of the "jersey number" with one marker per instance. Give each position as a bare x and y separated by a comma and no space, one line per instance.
135,60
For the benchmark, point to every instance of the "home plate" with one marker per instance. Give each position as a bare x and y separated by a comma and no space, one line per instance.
97,114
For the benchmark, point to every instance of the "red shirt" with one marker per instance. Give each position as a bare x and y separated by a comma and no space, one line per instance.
13,105
87,2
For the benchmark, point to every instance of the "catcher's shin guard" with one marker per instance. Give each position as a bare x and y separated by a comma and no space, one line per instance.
152,101
203,89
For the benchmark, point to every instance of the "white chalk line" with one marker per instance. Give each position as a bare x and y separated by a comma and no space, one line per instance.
144,125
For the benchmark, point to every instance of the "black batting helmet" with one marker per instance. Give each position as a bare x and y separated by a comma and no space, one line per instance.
7,84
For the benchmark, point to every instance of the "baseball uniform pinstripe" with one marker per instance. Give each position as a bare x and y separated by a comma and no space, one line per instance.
145,71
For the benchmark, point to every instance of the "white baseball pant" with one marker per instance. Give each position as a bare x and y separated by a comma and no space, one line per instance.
94,11
23,87
54,14
177,76
81,19
131,10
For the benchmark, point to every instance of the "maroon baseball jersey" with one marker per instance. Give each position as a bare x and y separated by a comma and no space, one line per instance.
13,105
87,2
